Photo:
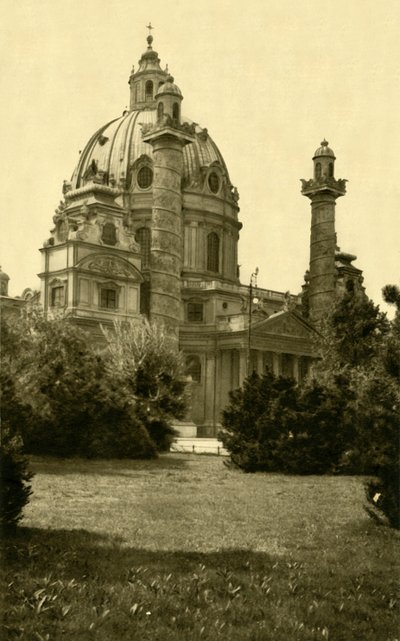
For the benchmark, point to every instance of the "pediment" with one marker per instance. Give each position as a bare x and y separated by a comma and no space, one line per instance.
283,324
110,266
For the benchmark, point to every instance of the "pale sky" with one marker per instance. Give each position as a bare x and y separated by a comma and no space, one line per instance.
268,78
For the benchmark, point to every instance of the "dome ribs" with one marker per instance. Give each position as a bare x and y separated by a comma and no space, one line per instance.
86,156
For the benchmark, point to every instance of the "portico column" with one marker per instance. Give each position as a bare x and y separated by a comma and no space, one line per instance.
276,363
260,363
242,365
296,371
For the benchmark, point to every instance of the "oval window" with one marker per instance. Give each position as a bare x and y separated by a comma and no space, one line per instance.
144,177
213,182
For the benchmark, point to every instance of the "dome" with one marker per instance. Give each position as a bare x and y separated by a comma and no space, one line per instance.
324,150
117,145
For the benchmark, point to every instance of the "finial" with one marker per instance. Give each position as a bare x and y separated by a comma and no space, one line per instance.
324,143
166,68
149,37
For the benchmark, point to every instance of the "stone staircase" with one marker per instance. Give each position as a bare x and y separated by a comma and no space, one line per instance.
199,446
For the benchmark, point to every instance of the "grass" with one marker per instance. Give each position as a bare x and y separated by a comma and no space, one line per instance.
183,548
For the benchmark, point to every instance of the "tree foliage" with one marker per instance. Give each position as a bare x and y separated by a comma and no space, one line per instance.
75,406
344,419
148,365
257,420
15,477
271,424
350,337
379,404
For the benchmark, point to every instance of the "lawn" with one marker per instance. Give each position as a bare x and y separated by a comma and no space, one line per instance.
183,548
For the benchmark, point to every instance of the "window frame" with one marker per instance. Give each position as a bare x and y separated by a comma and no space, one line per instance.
57,300
195,312
109,289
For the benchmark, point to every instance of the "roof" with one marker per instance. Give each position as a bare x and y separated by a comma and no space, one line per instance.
324,150
118,144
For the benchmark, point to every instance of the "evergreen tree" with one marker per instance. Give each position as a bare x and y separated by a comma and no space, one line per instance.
379,405
351,336
257,422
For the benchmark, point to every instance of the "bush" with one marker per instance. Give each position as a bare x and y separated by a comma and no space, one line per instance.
71,405
256,423
15,488
322,430
273,425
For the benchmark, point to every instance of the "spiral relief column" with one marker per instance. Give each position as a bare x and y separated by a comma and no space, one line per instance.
323,190
167,138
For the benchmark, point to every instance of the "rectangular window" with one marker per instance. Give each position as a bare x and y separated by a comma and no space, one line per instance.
57,296
108,299
195,312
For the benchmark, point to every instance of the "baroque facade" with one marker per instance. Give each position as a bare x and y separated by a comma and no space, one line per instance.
149,225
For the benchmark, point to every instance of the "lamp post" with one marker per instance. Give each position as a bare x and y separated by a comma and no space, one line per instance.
253,283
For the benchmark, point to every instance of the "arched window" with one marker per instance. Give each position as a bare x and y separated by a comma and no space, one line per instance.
149,90
318,170
160,110
175,111
331,169
143,238
193,368
213,252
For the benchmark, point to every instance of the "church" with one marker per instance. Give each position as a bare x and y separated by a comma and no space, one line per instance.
149,225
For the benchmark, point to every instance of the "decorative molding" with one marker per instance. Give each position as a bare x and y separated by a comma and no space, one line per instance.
109,266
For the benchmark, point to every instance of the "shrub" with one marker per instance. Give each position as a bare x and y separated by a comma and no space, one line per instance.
273,425
15,477
77,406
322,430
256,423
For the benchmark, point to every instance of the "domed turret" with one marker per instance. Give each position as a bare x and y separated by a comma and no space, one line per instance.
169,98
324,161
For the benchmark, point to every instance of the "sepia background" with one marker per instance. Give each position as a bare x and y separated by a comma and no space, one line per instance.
269,79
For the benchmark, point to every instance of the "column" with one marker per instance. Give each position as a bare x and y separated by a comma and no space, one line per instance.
260,362
242,365
296,368
276,363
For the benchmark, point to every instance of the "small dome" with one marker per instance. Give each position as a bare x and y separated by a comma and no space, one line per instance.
169,87
324,150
